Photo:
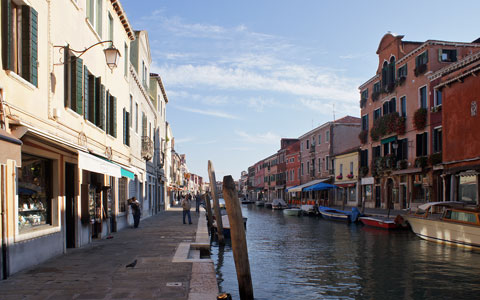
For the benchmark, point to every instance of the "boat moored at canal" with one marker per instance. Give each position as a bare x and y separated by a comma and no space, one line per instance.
381,222
339,215
453,223
294,211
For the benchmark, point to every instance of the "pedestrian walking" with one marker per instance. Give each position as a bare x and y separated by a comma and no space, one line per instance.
136,211
186,205
198,201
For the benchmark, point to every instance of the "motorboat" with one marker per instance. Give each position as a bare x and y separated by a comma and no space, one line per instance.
309,209
268,204
453,223
260,203
294,211
278,204
339,215
382,222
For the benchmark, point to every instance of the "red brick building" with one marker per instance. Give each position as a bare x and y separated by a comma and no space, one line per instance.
458,90
401,138
292,165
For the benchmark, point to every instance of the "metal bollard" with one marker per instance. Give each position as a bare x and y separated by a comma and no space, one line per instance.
224,296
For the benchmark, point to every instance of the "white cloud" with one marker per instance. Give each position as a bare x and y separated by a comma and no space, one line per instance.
213,113
184,140
259,138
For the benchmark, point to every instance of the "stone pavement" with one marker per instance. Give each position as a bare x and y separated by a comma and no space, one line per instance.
99,270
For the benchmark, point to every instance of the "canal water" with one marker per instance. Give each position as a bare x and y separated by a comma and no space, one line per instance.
312,258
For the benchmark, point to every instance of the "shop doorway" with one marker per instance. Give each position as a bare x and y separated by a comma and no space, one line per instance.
403,193
378,202
70,204
390,199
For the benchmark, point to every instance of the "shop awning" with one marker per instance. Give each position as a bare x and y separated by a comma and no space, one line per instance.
321,186
389,140
299,188
95,164
127,173
292,187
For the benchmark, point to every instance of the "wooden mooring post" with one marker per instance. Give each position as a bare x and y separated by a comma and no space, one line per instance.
216,206
238,238
208,207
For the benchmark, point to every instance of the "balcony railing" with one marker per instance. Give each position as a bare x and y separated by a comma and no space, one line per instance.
147,148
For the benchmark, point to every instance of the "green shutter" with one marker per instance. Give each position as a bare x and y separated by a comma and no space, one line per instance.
124,126
144,124
76,91
66,71
91,99
7,34
34,47
107,114
100,95
86,94
114,114
127,129
99,18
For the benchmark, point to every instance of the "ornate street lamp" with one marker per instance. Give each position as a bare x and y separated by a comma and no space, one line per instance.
111,53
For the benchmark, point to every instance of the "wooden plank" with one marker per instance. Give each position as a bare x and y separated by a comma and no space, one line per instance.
237,236
216,206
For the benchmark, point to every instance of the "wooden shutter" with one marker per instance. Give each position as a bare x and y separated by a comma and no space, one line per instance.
29,44
66,72
7,34
425,143
144,125
86,94
100,95
125,124
91,99
127,129
113,119
108,108
76,92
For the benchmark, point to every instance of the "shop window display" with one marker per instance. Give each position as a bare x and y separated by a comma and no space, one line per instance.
34,193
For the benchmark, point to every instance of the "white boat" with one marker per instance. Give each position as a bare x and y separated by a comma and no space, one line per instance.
294,211
278,204
454,223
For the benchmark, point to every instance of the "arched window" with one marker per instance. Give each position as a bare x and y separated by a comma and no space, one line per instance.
391,70
385,74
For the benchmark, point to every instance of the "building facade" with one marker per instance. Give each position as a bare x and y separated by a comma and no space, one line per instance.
400,121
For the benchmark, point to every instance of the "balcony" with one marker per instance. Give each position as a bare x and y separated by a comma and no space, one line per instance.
147,148
312,148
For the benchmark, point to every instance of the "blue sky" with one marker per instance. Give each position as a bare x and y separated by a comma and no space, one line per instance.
240,75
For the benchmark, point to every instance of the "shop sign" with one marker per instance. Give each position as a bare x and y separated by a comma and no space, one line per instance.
367,180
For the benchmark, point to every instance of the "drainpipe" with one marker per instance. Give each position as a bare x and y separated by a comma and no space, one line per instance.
3,196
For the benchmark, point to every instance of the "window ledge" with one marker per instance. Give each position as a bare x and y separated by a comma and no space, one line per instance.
21,80
74,2
73,113
35,234
93,29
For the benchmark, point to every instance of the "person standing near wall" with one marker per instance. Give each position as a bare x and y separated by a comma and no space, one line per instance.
186,205
136,211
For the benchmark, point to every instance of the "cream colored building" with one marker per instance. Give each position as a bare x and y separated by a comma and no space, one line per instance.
346,178
69,149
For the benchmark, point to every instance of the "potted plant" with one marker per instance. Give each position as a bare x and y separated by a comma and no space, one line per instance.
420,118
350,176
340,176
363,136
421,162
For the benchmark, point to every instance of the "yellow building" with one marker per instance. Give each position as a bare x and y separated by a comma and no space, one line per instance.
346,178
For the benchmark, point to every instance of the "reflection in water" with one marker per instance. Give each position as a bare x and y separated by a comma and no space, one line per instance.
312,258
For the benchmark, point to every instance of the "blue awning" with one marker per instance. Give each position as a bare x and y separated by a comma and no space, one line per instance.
320,187
127,173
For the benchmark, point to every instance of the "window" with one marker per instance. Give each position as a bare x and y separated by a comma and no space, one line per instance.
319,165
377,114
301,169
326,163
125,61
423,97
376,152
94,15
122,194
386,108
94,93
438,97
365,94
376,87
364,158
20,40
422,141
351,167
437,140
365,122
319,139
34,193
402,149
110,27
447,55
422,59
111,124
308,144
327,136
308,167
341,169
136,117
131,111
392,105
126,130
73,78
402,71
403,106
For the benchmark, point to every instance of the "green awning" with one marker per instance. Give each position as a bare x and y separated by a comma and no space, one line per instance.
389,140
127,173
